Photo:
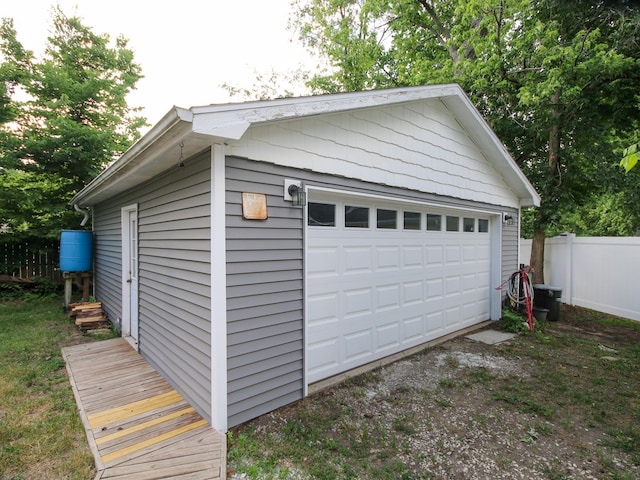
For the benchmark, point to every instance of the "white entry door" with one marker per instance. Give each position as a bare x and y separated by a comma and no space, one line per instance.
130,274
383,277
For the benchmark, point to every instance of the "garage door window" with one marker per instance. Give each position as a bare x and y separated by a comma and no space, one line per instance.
434,222
453,224
356,217
322,215
469,224
483,225
412,220
387,219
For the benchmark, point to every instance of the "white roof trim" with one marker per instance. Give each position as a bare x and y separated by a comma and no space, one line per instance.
202,126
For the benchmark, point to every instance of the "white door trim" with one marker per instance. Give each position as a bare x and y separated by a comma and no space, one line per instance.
129,243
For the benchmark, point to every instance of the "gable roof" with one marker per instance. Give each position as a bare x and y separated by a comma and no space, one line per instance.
202,126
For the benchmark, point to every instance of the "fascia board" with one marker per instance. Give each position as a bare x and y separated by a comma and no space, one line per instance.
174,125
233,120
486,139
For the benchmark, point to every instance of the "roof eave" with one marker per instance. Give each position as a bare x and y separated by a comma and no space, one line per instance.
487,140
176,123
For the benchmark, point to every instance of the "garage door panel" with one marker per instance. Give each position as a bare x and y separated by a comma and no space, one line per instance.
412,293
469,283
453,285
413,256
387,336
435,255
321,307
323,357
322,261
414,328
358,345
381,291
435,321
435,288
453,316
469,253
357,302
388,259
453,254
387,297
356,259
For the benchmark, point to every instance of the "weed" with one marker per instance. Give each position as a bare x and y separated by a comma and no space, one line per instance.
627,440
513,322
444,402
404,424
452,361
446,382
480,375
555,472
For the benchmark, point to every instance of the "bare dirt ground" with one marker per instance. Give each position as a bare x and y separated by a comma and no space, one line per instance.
561,404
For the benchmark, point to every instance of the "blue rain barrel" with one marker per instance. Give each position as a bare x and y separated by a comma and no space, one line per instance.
76,250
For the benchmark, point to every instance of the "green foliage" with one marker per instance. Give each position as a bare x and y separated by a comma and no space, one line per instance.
555,79
63,118
38,289
629,157
608,215
513,322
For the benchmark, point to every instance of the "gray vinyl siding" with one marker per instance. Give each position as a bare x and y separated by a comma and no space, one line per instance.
107,226
510,247
265,283
174,218
264,295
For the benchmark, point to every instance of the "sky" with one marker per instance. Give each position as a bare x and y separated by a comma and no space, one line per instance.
187,49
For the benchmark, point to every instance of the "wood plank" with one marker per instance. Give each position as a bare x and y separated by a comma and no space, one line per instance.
154,432
138,426
123,432
199,464
164,450
100,398
129,410
152,441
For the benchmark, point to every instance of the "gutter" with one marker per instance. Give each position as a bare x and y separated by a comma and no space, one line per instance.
173,118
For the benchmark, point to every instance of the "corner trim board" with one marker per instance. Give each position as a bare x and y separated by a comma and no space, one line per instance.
218,291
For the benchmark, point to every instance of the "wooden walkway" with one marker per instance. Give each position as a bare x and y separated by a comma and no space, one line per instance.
139,427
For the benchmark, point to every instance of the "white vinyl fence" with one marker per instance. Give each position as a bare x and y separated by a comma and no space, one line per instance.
601,273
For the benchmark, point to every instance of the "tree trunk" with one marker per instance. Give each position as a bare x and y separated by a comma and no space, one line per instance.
537,256
537,245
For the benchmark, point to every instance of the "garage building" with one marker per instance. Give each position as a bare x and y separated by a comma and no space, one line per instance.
250,251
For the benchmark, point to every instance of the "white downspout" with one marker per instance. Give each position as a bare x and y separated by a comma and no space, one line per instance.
85,212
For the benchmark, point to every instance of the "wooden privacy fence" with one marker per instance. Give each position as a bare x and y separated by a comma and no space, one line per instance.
30,259
600,273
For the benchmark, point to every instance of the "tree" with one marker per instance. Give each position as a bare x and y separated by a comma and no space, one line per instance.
552,77
630,157
63,118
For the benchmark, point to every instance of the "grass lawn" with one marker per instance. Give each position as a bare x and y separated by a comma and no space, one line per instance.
41,434
559,404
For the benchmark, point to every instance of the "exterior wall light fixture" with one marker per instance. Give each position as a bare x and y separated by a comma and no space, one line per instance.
298,195
508,219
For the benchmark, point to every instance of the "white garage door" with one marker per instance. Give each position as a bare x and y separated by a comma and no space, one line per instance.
383,277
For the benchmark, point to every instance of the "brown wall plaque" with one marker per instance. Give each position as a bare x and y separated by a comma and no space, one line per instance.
254,206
